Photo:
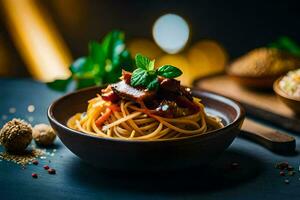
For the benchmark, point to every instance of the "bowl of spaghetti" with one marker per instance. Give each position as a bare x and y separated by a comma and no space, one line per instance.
131,125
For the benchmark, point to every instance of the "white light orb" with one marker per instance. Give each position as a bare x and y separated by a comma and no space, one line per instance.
171,33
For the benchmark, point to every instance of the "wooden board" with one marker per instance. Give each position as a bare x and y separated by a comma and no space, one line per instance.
222,84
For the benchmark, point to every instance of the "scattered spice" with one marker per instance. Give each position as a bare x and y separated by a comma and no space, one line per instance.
22,159
46,167
30,108
12,110
35,162
34,175
290,168
51,171
282,165
285,169
291,173
16,135
30,119
282,173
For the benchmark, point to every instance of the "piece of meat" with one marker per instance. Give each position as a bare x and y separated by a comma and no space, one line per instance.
171,88
126,76
170,109
126,91
184,91
172,85
110,96
171,99
184,102
166,109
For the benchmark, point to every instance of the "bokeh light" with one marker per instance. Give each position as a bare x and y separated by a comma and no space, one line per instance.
178,60
171,33
207,57
144,46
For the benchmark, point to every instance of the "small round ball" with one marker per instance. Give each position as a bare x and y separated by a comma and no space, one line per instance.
43,134
16,135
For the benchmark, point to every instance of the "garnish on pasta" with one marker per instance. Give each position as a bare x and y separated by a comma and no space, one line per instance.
147,104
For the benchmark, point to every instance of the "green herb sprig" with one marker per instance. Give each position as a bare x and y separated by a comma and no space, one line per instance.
103,64
145,75
286,44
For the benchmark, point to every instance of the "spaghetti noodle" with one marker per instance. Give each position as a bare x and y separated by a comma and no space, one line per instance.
126,120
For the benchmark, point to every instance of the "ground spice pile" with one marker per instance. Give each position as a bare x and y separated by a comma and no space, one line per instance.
24,158
263,62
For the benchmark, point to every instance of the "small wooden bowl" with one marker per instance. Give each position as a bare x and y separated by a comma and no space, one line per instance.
292,102
262,83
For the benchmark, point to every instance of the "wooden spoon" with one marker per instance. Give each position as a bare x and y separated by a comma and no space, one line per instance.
270,138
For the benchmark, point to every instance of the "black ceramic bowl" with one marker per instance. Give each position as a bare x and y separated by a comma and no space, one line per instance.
146,155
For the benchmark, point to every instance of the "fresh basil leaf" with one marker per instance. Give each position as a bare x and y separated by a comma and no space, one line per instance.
107,44
286,44
59,84
85,68
96,52
112,77
152,73
142,61
83,83
102,65
139,77
154,84
112,72
169,71
151,65
113,44
79,65
126,60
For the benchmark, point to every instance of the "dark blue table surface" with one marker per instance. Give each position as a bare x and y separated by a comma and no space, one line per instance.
256,177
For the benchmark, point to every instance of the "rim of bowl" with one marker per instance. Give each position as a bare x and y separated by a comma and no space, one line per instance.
237,106
262,78
281,93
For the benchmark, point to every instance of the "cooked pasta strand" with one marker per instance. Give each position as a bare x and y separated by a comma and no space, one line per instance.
134,123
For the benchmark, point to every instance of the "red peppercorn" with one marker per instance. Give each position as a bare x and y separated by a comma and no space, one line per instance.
34,175
46,167
283,165
281,173
35,162
51,171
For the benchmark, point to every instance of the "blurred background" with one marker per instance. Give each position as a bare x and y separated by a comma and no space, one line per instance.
40,39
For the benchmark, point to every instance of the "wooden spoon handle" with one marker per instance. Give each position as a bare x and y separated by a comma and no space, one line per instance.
268,137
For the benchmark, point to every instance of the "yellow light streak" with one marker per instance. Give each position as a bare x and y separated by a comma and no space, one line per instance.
37,39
